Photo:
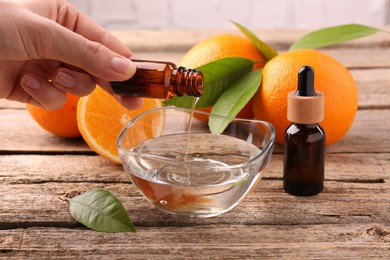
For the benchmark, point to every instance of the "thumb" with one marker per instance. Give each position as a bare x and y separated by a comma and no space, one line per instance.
95,58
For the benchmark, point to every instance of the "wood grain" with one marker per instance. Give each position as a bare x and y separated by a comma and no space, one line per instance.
181,41
350,58
349,219
19,132
356,190
43,205
36,169
233,241
369,133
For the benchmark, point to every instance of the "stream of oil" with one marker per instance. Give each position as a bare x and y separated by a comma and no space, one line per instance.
196,99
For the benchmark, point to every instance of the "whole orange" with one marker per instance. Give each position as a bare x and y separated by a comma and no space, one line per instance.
61,122
280,76
222,46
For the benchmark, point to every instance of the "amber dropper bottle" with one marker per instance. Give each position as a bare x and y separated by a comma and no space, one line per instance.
304,139
163,80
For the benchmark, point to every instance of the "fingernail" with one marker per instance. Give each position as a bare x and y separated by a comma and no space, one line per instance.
122,65
65,79
30,82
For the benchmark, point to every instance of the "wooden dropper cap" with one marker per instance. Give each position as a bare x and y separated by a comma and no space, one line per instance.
305,106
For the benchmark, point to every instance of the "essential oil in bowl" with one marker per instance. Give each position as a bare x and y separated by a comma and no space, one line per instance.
206,184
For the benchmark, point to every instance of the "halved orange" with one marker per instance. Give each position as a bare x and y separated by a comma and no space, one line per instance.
101,118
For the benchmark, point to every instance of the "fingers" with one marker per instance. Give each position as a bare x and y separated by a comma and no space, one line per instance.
76,40
93,57
37,90
77,83
41,86
68,15
65,80
42,93
71,37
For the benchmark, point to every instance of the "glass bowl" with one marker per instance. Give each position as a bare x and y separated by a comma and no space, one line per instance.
198,174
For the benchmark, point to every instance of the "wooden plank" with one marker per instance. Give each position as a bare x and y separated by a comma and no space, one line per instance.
25,169
29,169
175,40
41,183
350,58
287,241
19,132
361,58
369,133
33,189
44,204
339,167
373,87
350,218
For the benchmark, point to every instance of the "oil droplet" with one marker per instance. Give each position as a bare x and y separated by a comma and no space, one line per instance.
163,202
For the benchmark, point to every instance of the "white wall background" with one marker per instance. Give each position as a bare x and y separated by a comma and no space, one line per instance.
215,14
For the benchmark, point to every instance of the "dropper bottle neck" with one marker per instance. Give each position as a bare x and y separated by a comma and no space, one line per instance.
187,82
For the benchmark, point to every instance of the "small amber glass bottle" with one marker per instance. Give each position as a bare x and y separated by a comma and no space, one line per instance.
304,139
156,79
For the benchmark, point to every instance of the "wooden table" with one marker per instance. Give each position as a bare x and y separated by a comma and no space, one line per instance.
351,218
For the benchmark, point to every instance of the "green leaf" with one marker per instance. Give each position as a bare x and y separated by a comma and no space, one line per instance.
265,49
234,99
100,210
218,76
332,35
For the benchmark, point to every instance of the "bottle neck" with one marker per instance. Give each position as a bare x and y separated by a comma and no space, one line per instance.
187,82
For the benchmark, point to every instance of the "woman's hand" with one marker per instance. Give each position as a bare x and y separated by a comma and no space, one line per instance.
48,48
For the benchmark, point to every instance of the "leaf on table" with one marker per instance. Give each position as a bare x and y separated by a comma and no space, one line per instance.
265,49
233,100
100,210
333,35
218,76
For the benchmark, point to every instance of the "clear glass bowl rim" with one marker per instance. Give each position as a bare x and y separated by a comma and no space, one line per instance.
263,152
